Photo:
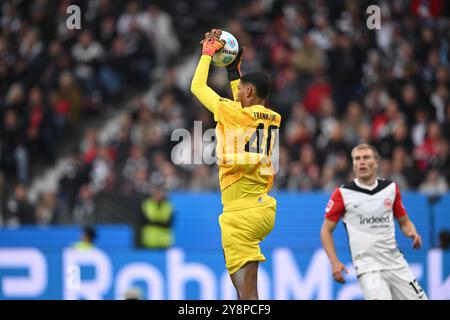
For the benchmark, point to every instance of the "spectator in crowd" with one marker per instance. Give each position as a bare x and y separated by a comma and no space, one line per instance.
111,72
318,90
139,185
425,153
402,167
442,160
14,154
300,128
297,178
376,100
327,122
135,161
89,146
309,58
384,123
84,210
121,145
420,127
446,125
47,209
351,123
75,173
19,210
67,104
125,21
310,166
87,53
399,137
434,184
328,180
158,26
101,165
40,132
409,101
345,68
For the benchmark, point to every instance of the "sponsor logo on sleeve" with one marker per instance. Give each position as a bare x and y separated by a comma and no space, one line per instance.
329,206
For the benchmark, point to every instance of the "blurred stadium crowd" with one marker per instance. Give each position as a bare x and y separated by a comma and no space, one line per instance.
335,82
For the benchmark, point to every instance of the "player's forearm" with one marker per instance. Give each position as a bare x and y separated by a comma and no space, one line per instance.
328,244
408,228
199,86
234,88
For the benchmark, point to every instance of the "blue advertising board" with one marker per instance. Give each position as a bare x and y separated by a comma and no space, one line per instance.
39,263
32,273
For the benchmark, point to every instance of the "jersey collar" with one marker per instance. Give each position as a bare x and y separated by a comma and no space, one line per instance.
363,186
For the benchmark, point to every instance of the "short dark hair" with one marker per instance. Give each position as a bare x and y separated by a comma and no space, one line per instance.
90,232
260,80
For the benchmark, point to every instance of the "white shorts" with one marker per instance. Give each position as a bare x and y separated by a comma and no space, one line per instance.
398,284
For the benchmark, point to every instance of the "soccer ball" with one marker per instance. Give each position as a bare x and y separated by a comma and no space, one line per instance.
228,53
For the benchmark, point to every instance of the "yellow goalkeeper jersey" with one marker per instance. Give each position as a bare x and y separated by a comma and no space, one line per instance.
245,139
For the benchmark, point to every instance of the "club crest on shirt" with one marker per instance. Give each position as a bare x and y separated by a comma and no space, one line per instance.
388,204
329,205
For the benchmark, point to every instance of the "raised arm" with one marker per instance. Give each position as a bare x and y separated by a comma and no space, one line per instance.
199,86
234,73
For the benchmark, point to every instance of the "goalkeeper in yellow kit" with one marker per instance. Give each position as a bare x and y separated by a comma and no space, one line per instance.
245,132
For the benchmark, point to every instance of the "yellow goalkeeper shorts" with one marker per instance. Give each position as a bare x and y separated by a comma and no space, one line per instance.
244,223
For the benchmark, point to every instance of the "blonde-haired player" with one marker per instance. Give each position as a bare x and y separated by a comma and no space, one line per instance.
368,207
246,132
